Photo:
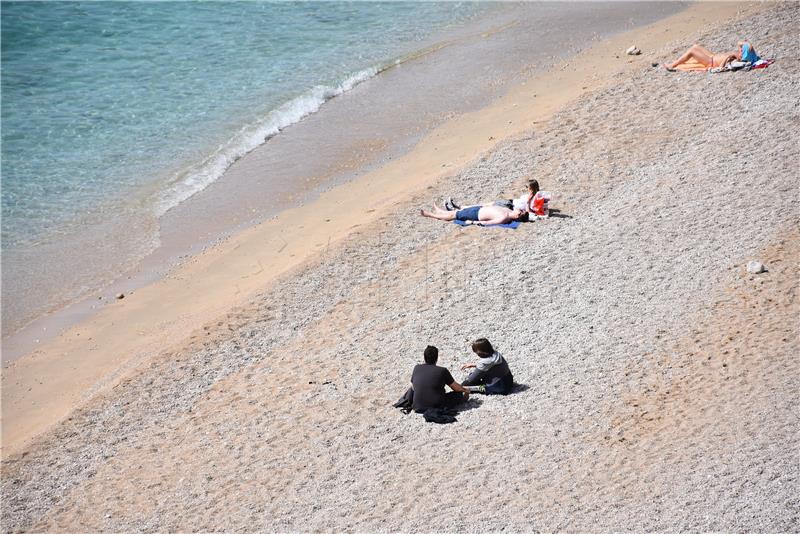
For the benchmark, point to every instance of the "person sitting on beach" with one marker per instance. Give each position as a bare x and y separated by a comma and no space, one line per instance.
524,202
427,385
707,58
491,375
483,215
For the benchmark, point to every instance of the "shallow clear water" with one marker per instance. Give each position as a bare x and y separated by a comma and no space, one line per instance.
110,107
115,112
119,120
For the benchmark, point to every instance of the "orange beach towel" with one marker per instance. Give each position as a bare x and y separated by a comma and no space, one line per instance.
692,66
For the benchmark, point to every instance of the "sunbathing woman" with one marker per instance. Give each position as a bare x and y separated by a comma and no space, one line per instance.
709,59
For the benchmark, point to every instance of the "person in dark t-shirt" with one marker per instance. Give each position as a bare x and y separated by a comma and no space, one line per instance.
428,381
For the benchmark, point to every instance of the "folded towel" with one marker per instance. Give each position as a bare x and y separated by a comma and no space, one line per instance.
762,64
512,224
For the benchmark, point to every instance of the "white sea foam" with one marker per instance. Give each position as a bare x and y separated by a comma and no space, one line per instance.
197,177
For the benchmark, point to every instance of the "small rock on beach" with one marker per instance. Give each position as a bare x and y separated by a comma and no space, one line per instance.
755,267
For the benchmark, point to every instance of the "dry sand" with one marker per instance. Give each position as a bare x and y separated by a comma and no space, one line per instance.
44,387
658,378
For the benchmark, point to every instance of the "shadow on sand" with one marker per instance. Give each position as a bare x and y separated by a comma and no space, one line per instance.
556,214
471,404
519,388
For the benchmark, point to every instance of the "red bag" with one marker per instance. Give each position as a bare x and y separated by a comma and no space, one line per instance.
539,204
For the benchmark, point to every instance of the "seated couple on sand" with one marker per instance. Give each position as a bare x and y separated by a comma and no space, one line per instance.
491,376
706,58
497,212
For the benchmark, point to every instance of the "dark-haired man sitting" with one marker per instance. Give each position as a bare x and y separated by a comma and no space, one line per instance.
428,381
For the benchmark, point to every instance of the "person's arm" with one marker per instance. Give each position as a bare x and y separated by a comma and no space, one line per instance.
467,366
500,219
455,386
474,378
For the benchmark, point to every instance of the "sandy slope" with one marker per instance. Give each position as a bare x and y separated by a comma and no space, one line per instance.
659,378
44,387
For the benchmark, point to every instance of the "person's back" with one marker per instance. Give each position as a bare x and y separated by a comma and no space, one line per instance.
496,370
429,380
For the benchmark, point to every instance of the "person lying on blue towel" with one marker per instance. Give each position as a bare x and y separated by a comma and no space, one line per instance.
483,215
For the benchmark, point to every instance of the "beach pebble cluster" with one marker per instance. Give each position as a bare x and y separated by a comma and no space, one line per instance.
656,382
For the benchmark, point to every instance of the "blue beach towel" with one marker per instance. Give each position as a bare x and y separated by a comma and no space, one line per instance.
512,224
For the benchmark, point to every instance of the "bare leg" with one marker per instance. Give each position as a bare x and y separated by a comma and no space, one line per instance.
476,205
438,213
703,49
697,52
471,206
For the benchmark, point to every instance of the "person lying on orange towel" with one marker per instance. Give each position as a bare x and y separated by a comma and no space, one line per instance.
700,58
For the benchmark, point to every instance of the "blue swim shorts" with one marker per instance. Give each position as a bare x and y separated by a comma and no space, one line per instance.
468,214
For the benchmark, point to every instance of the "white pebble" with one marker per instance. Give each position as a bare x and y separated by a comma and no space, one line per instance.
755,267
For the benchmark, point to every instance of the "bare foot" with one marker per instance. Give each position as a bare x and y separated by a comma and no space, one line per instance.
669,69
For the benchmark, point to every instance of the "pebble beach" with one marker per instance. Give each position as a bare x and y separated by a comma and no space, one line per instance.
657,377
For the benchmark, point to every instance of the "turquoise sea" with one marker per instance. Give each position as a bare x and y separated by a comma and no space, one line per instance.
118,111
105,102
